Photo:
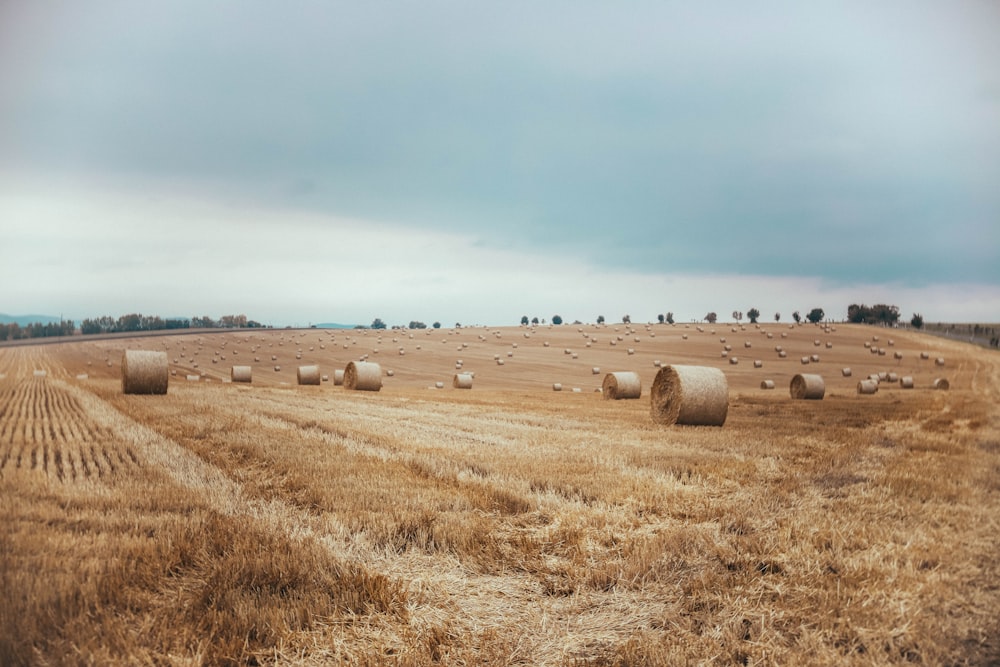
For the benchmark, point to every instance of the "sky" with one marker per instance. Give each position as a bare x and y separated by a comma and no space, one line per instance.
305,162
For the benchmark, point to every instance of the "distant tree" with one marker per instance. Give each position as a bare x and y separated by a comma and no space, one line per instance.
754,315
556,319
524,319
661,318
777,317
878,314
737,315
534,320
815,315
458,325
917,321
436,325
711,317
796,316
414,324
626,319
670,317
600,319
377,323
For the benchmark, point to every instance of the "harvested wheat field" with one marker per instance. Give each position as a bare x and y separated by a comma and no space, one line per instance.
271,522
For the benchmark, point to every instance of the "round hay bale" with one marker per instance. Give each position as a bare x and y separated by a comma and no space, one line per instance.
363,376
390,373
733,361
814,358
906,382
925,355
623,384
942,383
694,395
939,361
767,384
595,370
439,385
308,374
846,372
892,377
758,363
805,361
807,386
144,372
782,354
193,378
462,381
897,355
338,377
556,387
241,374
868,387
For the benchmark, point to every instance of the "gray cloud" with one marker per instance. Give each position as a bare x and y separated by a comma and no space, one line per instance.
849,142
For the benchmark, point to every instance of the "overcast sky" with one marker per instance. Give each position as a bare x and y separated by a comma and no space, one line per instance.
306,162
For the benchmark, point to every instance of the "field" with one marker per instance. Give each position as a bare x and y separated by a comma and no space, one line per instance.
228,523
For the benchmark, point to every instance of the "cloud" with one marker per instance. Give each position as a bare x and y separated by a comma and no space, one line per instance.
845,144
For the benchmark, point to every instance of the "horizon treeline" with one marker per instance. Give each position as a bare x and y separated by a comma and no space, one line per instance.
125,323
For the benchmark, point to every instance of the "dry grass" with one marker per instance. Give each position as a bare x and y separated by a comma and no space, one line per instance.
238,524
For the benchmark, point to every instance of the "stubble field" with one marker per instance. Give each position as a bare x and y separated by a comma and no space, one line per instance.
230,523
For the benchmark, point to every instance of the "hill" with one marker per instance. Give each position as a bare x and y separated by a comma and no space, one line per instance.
25,320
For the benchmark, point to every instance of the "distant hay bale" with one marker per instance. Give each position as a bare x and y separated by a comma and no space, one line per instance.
814,358
782,354
277,369
892,377
846,372
829,346
439,385
897,355
757,363
338,377
942,383
906,382
747,344
868,387
939,361
556,386
733,361
241,374
807,386
499,362
693,395
308,374
390,373
925,355
193,378
363,376
595,370
805,361
462,381
144,372
767,384
622,384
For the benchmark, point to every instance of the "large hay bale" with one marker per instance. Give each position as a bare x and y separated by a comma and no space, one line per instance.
308,374
241,374
807,386
338,377
906,382
942,383
695,395
868,387
363,376
623,384
144,372
462,381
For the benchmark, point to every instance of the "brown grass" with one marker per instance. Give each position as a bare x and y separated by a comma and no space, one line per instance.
251,524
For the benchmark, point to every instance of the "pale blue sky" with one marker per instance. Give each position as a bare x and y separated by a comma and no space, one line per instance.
684,153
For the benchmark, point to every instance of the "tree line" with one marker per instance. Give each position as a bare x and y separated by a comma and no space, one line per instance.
132,322
15,331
